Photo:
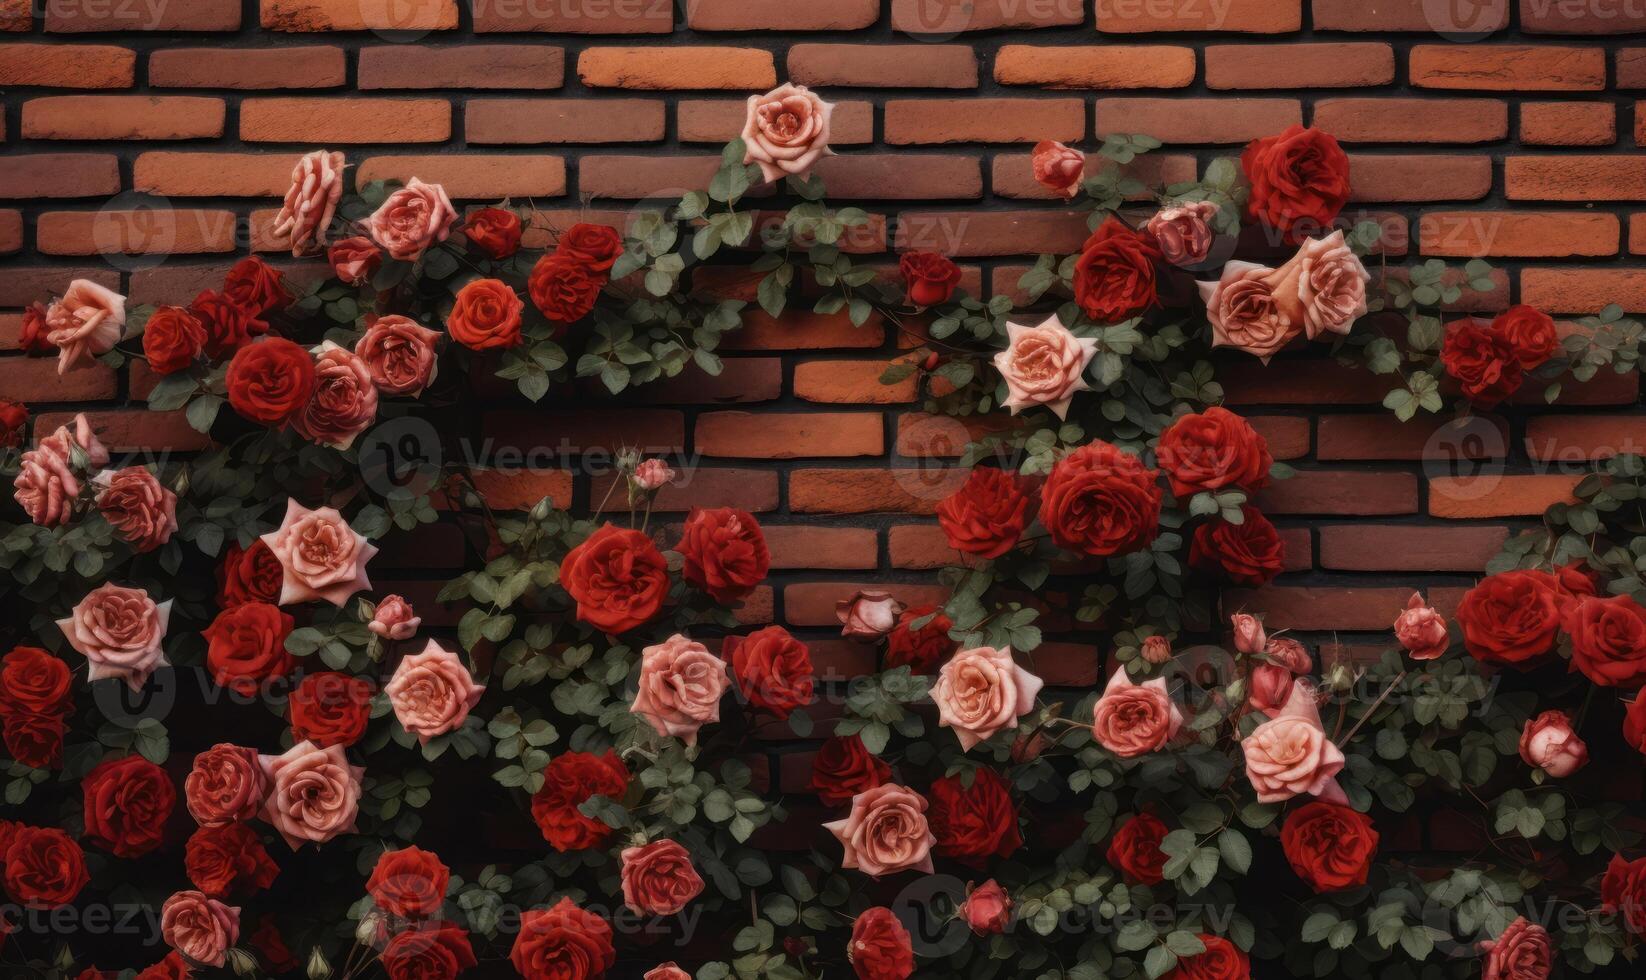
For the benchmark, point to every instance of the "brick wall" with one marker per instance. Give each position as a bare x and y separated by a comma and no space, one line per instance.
165,130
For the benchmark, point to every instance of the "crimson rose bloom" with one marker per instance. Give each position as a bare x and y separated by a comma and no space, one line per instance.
256,287
880,947
246,645
44,867
617,577
1211,450
725,552
431,951
923,650
773,669
568,781
248,575
225,784
977,822
1623,891
987,515
270,381
1222,960
1530,334
1510,618
220,859
595,247
931,278
563,288
128,801
1634,725
410,883
1299,179
13,416
33,680
562,943
1249,553
1329,845
32,336
172,967
1608,640
486,315
1483,363
228,325
1114,277
34,738
172,339
1135,850
329,708
1101,501
843,767
494,231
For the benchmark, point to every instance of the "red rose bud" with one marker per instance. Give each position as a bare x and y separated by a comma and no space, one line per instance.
14,417
931,278
987,909
494,231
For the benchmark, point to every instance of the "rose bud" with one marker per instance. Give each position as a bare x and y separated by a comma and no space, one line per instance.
1271,686
931,277
1421,630
1249,637
1058,168
653,474
1549,743
868,615
987,909
1184,232
1156,650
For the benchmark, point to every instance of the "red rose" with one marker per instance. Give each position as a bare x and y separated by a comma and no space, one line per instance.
1114,277
1573,581
1212,450
987,909
44,867
220,860
1608,640
32,339
1483,363
1135,849
843,767
246,645
486,315
1222,960
432,951
34,738
33,680
173,967
562,943
568,781
1529,333
256,286
563,288
128,801
725,552
975,822
172,339
1634,725
1510,618
248,575
355,260
228,325
931,278
595,247
773,669
494,231
658,878
1101,501
923,650
410,883
1329,845
987,515
13,417
226,784
271,948
880,947
329,708
1249,553
617,577
1299,181
270,381
1622,891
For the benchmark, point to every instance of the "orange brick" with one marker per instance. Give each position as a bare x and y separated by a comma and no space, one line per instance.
968,233
849,382
358,15
1322,608
859,491
781,15
310,66
949,17
477,66
122,117
522,489
1188,120
1568,17
67,65
893,176
1575,178
56,175
1583,290
473,175
1401,548
1413,120
11,231
515,121
147,232
1400,177
1568,123
884,65
312,120
1508,67
687,67
35,379
1637,234
214,174
633,177
790,435
520,434
801,329
1380,436
984,120
1411,15
1338,65
923,436
1581,438
1013,174
1095,66
76,16
1496,495
22,285
1248,16
1341,492
1517,234
797,546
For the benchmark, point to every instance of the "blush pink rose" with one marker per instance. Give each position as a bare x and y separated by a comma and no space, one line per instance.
1290,754
1132,719
140,510
1058,168
87,321
413,218
432,692
344,403
1549,743
1331,285
400,354
1044,365
1157,650
200,928
48,481
1521,952
119,632
311,202
868,615
1421,630
314,793
666,971
320,556
1184,232
786,131
983,691
1249,637
681,683
658,878
1286,652
987,909
652,474
226,785
1252,309
886,831
394,620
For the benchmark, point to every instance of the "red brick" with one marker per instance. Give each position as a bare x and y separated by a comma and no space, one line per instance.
76,16
615,17
1297,544
884,65
1568,123
781,15
1631,68
67,65
863,491
1583,290
35,379
921,546
1580,438
1637,234
477,66
699,486
1341,492
358,15
1095,66
146,232
473,175
310,66
813,603
897,176
1398,177
741,379
1413,120
984,120
801,329
1190,120
22,285
1248,16
1496,495
849,382
721,120
1321,608
1381,436
17,15
11,231
1517,234
687,67
310,120
649,430
790,435
214,174
58,175
633,177
949,17
1411,15
1013,174
1508,67
1299,65
522,489
1408,548
795,546
516,121
122,117
130,430
1575,178
1287,435
967,233
920,435
1581,17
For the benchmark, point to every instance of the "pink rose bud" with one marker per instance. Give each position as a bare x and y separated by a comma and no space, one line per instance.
1549,743
1421,630
1058,168
1288,653
1184,232
988,909
1156,650
868,615
394,619
1271,685
652,474
1249,637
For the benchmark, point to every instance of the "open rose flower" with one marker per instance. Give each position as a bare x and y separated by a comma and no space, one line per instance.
880,948
87,321
354,260
311,202
1250,553
430,950
1114,275
1043,365
173,338
393,619
400,354
987,910
1299,180
1608,639
923,647
1058,168
1483,363
140,510
344,402
885,832
1101,501
1184,232
1331,285
225,785
1132,719
48,477
868,615
1421,630
983,691
1289,754
1211,451
486,315
725,552
1522,951
658,878
256,287
200,928
43,867
1329,845
1252,308
562,943
617,577
773,669
1549,743
432,692
1510,618
494,231
409,882
680,687
976,822
786,131
411,219
271,381
988,514
314,793
119,631
321,556
1530,334
843,768
569,780
1135,850
127,801
246,646
564,288
222,860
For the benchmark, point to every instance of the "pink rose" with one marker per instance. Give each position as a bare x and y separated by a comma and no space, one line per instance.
344,403
48,480
1331,285
1184,232
314,793
400,355
320,556
1058,168
886,831
394,619
1288,653
354,260
1521,952
226,785
983,691
1421,630
86,322
1249,637
680,687
1271,687
652,474
1044,365
1252,309
1156,650
658,878
1548,743
868,615
413,218
1290,754
988,909
119,631
432,692
140,510
786,131
200,928
666,971
1132,719
316,187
